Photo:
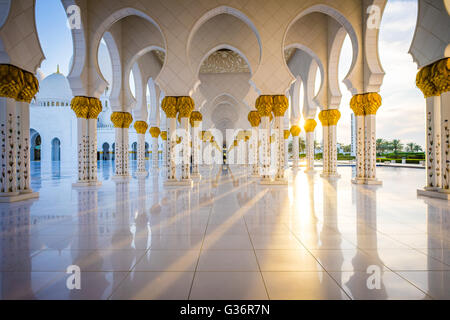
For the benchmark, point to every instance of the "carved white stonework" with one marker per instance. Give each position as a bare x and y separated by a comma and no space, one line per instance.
360,143
280,145
254,151
265,148
171,142
141,170
15,148
224,61
309,151
186,145
155,152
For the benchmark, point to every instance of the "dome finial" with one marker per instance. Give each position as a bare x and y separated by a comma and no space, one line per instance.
57,69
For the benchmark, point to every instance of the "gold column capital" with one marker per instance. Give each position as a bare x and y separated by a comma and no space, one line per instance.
155,132
140,127
30,87
169,106
295,130
286,134
86,107
185,106
121,119
310,125
366,103
195,118
164,135
254,118
329,117
434,79
280,105
264,104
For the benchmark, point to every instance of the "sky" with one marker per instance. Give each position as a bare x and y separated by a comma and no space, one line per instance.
401,115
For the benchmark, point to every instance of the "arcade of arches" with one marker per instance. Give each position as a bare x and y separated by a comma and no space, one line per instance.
226,79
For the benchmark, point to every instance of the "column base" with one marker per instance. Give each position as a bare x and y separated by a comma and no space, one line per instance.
15,196
87,184
120,178
330,175
179,183
275,182
367,181
141,174
196,176
434,193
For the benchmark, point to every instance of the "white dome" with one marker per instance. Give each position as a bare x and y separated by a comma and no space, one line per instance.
55,87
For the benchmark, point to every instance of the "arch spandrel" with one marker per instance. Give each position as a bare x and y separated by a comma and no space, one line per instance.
23,49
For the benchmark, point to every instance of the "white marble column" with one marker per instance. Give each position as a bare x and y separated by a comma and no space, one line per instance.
186,146
329,119
196,149
445,141
8,140
265,148
171,143
370,155
24,152
433,137
332,151
310,126
254,143
164,151
360,149
92,145
309,151
141,170
125,152
280,147
83,150
365,107
325,150
118,152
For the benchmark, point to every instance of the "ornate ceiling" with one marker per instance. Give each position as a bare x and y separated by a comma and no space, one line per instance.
224,61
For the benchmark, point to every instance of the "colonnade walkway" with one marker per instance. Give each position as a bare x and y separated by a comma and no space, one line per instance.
228,237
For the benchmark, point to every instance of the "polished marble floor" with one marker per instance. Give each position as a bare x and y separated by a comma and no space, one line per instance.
226,238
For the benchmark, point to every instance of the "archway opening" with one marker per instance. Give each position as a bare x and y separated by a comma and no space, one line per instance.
35,150
56,149
105,151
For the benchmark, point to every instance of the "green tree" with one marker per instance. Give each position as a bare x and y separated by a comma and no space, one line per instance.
347,148
301,144
410,147
417,148
397,145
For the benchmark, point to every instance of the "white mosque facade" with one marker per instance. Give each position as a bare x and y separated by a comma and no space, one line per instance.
53,125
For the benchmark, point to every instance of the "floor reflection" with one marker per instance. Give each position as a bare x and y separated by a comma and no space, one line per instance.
227,237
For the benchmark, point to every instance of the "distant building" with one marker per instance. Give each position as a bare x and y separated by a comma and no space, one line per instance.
53,125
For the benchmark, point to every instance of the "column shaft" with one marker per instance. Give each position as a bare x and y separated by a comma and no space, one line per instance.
332,150
8,131
186,160
326,151
280,148
83,149
92,145
118,152
141,153
371,147
360,149
155,152
445,140
265,148
433,151
171,142
309,151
